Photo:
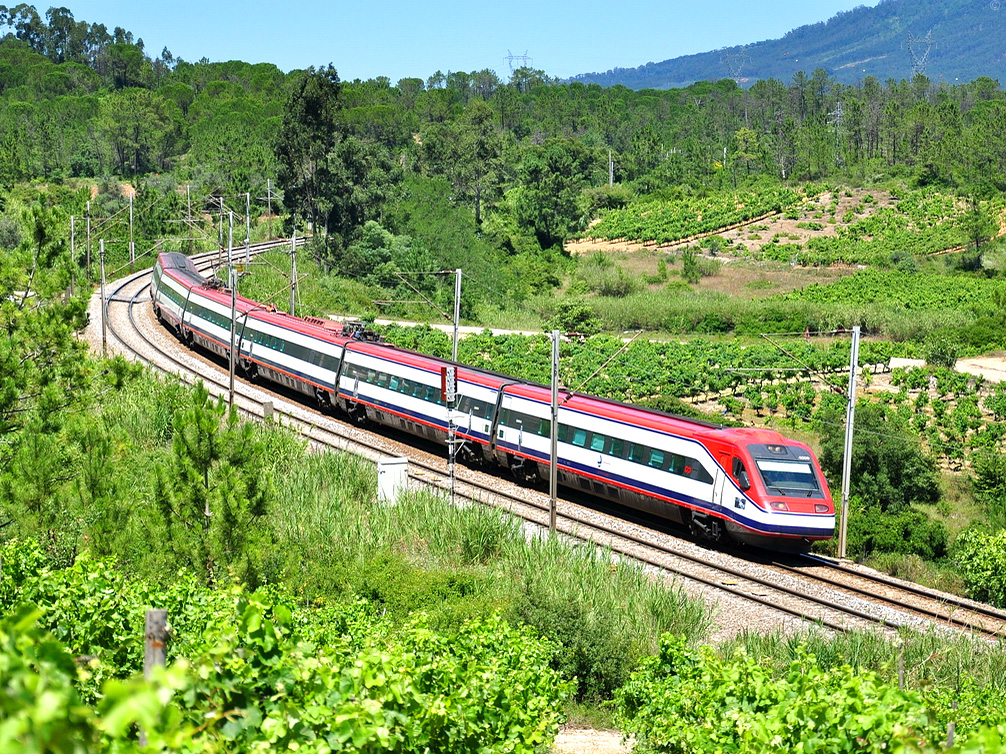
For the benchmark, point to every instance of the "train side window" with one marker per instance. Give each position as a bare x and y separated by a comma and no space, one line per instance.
617,448
694,470
597,442
382,379
545,428
741,474
393,385
656,459
637,453
580,438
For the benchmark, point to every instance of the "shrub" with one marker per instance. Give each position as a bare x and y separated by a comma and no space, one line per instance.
909,532
575,315
981,557
690,266
940,350
691,700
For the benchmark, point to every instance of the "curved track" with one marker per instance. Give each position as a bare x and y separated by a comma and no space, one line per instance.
783,589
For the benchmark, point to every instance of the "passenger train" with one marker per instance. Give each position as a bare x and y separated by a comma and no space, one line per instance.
749,485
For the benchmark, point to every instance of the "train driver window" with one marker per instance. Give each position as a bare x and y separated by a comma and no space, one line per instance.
741,474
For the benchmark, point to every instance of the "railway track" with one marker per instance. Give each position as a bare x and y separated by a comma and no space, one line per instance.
793,594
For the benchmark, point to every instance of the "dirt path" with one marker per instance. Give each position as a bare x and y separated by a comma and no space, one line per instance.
991,366
589,741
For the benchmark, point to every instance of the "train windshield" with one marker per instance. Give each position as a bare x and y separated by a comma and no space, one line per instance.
789,478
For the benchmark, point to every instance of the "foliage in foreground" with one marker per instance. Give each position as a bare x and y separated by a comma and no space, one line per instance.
259,673
693,700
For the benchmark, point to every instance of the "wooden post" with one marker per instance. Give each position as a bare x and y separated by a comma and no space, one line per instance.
155,640
951,728
901,665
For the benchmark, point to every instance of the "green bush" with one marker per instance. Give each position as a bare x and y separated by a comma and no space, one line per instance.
690,700
255,672
980,556
940,350
575,316
906,531
690,266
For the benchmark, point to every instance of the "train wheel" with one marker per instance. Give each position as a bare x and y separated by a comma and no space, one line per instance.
321,397
356,412
524,472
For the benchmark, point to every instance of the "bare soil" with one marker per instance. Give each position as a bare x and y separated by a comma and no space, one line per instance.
589,741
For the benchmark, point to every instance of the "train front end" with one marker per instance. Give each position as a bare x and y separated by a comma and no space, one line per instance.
789,504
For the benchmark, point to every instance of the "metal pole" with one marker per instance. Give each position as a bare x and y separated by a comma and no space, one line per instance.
553,469
850,417
232,276
104,324
611,170
457,313
293,271
188,217
247,227
268,194
451,447
73,256
132,247
88,265
220,247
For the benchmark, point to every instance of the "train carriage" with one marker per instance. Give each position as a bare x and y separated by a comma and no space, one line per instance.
749,485
402,389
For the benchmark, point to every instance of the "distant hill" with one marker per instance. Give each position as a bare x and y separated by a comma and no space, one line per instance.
968,40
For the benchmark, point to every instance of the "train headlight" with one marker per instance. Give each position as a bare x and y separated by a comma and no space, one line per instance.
778,505
819,508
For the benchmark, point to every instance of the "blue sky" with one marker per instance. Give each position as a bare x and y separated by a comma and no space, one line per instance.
397,39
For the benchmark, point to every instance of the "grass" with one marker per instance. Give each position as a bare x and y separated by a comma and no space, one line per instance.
931,658
331,541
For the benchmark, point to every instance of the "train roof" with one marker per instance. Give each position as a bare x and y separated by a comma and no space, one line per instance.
616,410
182,266
333,332
431,363
313,327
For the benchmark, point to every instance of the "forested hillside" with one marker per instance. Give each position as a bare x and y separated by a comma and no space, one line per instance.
950,40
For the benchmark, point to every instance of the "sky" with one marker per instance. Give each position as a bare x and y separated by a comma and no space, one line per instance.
369,38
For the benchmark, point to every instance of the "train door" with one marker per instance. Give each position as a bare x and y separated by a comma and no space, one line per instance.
719,485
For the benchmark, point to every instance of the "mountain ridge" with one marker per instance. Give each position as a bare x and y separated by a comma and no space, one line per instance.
946,40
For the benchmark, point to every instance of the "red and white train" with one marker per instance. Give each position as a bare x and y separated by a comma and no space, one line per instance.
749,485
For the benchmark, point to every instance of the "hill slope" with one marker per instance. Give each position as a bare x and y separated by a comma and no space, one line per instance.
967,42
